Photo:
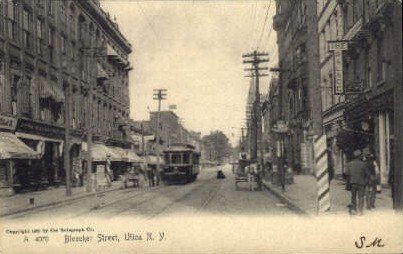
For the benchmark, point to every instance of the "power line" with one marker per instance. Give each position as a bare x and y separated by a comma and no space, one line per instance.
264,25
147,19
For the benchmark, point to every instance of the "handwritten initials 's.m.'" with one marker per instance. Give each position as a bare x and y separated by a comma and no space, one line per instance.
377,242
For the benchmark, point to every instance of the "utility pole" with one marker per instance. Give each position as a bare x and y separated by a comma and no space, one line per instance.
280,134
66,148
397,150
255,59
159,95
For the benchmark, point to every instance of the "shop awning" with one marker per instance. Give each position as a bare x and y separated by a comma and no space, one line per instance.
152,160
127,155
49,90
13,148
100,152
133,157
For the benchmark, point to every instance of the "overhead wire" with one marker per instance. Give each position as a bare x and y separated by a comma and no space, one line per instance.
264,24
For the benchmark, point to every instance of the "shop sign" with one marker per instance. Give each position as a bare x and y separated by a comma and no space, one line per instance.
337,47
42,129
8,123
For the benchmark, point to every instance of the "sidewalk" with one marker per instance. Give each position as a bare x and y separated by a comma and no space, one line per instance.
52,196
302,195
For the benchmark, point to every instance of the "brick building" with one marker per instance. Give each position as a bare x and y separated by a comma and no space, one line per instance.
63,66
171,130
365,111
270,114
296,26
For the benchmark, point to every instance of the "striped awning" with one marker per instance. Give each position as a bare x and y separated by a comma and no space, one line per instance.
12,147
100,152
127,155
152,160
49,90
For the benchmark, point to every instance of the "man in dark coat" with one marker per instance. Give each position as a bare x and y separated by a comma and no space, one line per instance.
358,174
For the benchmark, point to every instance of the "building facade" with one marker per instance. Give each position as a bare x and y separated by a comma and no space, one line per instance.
371,71
296,26
270,114
330,28
63,68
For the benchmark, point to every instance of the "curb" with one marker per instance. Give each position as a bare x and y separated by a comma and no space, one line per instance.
18,211
286,200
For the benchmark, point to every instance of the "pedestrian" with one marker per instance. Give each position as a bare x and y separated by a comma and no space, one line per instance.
150,176
108,173
251,170
357,172
372,181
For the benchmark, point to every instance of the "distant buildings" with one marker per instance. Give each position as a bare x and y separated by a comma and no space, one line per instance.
170,131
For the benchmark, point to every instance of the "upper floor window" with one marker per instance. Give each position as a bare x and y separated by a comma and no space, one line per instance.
51,41
12,14
381,65
40,3
26,26
63,44
39,35
51,7
15,84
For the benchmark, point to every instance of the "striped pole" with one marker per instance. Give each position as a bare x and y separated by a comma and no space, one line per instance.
322,174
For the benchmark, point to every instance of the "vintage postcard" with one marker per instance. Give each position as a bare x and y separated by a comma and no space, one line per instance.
198,126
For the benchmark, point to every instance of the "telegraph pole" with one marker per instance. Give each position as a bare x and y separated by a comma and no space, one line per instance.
159,95
255,59
397,150
66,148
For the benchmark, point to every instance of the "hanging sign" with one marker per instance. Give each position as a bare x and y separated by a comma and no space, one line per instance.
337,47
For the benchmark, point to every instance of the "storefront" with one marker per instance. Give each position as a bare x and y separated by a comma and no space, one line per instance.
15,157
47,141
128,160
372,120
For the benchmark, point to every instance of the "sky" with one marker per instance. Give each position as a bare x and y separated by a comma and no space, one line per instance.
194,50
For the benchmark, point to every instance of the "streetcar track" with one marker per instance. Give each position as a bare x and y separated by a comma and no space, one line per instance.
175,201
68,202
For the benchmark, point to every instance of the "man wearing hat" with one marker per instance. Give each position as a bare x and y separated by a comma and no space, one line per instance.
358,174
372,181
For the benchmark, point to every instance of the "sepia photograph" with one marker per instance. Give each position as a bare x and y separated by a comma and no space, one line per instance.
201,126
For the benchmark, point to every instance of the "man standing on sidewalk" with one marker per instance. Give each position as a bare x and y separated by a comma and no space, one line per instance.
358,173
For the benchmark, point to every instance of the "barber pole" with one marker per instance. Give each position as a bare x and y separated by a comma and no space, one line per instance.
322,174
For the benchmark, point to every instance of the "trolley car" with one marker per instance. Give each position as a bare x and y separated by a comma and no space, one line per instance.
181,163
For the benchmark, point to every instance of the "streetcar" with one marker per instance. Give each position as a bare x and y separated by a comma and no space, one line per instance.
181,163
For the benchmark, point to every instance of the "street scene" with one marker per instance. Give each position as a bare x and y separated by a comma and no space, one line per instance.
208,195
153,108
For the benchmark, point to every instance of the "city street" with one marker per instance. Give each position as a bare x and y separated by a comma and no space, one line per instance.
207,195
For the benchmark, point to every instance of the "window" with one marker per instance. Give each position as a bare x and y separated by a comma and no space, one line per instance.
30,100
26,25
51,41
72,22
15,80
369,78
51,10
12,14
40,3
381,65
63,44
39,36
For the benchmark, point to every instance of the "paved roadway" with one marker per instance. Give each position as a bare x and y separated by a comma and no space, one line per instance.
207,195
